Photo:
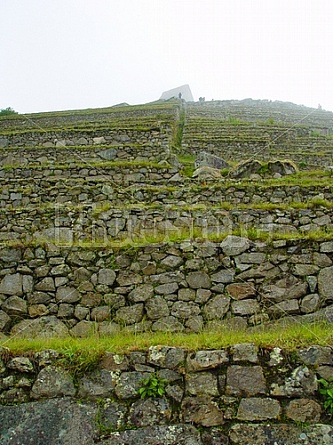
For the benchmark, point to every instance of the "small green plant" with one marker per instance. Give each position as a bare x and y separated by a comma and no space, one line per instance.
153,386
326,390
7,111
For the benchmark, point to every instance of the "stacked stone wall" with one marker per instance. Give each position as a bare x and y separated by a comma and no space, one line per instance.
183,287
237,395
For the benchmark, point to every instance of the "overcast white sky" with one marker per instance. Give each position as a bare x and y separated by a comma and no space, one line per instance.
72,54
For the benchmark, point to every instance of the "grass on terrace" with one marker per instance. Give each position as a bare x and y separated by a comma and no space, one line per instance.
290,337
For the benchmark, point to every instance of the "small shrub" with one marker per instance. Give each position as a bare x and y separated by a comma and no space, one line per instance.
153,386
7,111
326,391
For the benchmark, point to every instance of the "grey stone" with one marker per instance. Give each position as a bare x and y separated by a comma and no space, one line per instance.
245,307
246,169
100,313
325,278
203,360
326,247
127,278
45,285
184,310
129,315
201,383
254,408
84,328
165,289
129,383
4,320
44,327
156,435
56,422
205,173
157,307
10,254
172,261
53,382
224,276
188,294
284,308
96,385
245,352
211,160
65,310
198,280
67,295
156,411
167,324
280,434
166,356
109,154
202,411
106,276
21,364
302,382
141,293
310,303
245,381
216,307
234,245
11,285
15,306
316,355
305,269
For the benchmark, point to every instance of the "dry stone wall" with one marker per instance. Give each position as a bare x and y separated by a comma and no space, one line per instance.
186,287
237,395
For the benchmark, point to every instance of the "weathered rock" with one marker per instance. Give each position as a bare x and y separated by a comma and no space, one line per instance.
4,320
15,306
224,276
254,408
96,385
325,278
202,383
216,307
141,293
198,280
67,295
284,434
84,328
56,422
129,315
245,381
202,360
283,167
11,284
166,357
302,382
21,364
106,276
246,169
109,154
245,307
240,291
245,352
167,324
206,173
234,245
157,308
156,435
211,160
316,355
44,327
156,411
304,410
201,411
129,384
53,382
